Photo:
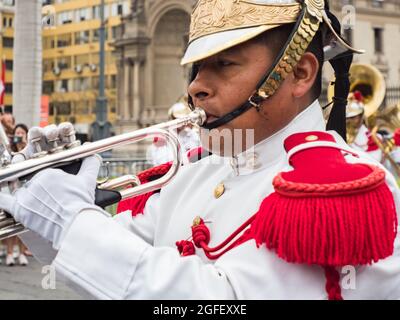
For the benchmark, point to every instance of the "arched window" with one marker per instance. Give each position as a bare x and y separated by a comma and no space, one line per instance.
169,42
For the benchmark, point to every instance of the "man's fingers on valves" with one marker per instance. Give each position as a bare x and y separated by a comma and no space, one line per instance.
49,139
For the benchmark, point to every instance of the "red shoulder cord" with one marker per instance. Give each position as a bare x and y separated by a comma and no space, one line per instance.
201,239
159,170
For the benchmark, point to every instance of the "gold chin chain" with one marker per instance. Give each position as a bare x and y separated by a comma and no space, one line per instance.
298,45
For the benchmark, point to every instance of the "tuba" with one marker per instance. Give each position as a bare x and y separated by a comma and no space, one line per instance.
69,156
370,82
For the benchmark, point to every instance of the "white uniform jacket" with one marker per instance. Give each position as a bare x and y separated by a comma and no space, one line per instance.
136,258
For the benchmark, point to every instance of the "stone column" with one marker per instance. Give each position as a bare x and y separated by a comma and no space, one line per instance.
136,92
120,89
131,45
127,91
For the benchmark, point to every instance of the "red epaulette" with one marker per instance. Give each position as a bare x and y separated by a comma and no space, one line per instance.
326,211
136,204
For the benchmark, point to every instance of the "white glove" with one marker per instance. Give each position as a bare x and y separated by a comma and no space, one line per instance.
46,139
50,201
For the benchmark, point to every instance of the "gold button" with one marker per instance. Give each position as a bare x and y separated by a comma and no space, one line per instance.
311,138
196,221
219,190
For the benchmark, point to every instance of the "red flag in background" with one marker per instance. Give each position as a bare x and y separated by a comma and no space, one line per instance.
2,82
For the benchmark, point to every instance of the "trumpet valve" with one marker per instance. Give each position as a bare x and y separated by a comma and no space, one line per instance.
35,137
52,138
67,135
5,157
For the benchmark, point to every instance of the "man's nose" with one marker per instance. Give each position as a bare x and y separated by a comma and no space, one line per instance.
199,89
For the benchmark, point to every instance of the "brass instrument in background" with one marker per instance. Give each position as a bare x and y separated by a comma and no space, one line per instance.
12,173
351,131
370,82
387,119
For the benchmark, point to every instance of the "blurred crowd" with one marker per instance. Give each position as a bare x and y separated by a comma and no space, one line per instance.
12,250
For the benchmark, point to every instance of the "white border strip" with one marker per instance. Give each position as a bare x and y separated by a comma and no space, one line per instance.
318,144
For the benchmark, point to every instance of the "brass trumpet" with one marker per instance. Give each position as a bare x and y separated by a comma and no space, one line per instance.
12,174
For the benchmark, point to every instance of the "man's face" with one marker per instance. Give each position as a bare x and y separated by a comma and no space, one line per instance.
19,132
224,82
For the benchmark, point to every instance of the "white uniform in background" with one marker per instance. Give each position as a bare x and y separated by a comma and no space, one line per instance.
361,143
189,139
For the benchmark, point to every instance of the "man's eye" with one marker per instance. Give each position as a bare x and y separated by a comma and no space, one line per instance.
224,63
196,65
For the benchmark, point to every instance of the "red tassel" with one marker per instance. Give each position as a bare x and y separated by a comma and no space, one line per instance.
185,248
349,229
332,230
326,211
201,235
332,286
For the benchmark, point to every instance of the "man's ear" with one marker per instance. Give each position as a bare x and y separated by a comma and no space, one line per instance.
305,73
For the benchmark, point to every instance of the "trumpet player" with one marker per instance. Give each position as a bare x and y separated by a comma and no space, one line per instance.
279,219
384,149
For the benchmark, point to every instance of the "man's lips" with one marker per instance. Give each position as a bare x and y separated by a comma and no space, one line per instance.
211,118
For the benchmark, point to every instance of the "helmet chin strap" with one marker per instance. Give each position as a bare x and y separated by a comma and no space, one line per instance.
227,117
230,116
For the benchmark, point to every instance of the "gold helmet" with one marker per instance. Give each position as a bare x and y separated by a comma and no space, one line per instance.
217,25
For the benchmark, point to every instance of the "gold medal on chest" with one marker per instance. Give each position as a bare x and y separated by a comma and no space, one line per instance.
219,190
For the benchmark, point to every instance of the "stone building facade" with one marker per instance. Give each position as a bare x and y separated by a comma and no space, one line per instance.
375,27
153,37
148,52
